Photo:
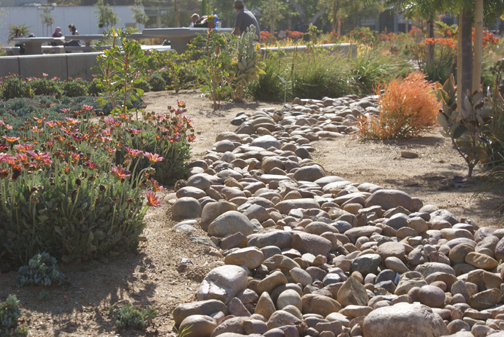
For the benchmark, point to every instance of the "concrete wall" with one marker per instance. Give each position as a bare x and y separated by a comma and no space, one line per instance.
81,16
60,65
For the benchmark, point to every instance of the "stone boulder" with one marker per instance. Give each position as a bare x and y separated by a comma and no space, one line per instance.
223,283
404,320
230,223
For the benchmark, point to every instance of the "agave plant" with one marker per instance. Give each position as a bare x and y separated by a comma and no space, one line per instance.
467,125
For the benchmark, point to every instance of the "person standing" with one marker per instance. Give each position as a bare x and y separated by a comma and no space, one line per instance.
244,19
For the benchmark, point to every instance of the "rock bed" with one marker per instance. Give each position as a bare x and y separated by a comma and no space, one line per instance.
307,254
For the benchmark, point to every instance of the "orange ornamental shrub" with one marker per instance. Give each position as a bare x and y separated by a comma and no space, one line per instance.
408,107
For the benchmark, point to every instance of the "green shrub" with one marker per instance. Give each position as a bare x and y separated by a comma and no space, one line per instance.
14,87
318,74
74,88
131,317
269,87
370,69
9,315
42,269
142,84
157,82
45,87
94,88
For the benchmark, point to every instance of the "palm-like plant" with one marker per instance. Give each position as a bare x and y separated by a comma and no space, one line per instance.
13,29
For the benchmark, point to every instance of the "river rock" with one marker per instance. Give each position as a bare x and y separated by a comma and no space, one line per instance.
319,304
310,243
431,296
403,320
367,263
222,283
212,210
388,199
265,305
198,326
309,173
352,293
249,257
186,208
230,223
207,308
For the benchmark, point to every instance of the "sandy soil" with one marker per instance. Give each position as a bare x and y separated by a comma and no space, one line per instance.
149,276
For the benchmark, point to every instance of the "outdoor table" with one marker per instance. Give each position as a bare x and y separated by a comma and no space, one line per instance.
33,45
179,37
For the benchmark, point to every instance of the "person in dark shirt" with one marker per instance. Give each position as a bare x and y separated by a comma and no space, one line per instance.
244,19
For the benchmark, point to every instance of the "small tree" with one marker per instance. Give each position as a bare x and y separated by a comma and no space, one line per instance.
105,14
139,14
271,12
47,19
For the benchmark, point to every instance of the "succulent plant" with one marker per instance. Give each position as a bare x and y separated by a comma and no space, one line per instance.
467,125
246,68
42,269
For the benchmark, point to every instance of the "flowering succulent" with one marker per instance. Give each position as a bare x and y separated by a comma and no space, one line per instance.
75,187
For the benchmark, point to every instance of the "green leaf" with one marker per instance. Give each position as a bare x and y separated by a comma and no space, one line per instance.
139,92
459,131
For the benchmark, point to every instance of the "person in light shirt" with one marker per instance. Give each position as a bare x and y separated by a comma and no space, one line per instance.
194,18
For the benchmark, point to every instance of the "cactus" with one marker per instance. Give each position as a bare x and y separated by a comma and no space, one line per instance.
467,126
246,68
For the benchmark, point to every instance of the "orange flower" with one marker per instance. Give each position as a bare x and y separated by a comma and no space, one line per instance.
155,185
10,139
153,157
120,172
152,199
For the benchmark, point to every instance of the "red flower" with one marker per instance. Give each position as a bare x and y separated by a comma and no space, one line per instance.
92,165
152,199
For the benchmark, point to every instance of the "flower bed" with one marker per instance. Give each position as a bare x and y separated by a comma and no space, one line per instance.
75,188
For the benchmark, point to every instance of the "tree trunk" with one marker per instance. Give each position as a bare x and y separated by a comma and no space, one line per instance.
176,14
478,45
203,7
406,26
317,15
272,26
430,33
299,9
465,57
334,16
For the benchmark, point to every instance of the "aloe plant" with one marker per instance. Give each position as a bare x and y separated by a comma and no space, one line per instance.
467,125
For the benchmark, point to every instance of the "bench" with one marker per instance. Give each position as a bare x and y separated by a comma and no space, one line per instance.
84,49
11,50
52,49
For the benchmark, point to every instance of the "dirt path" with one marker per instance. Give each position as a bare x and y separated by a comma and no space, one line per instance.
149,276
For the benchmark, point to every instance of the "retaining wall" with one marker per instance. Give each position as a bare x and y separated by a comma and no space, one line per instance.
60,65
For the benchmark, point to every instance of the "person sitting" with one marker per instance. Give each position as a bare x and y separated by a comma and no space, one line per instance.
195,17
244,19
21,45
101,30
57,32
74,31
